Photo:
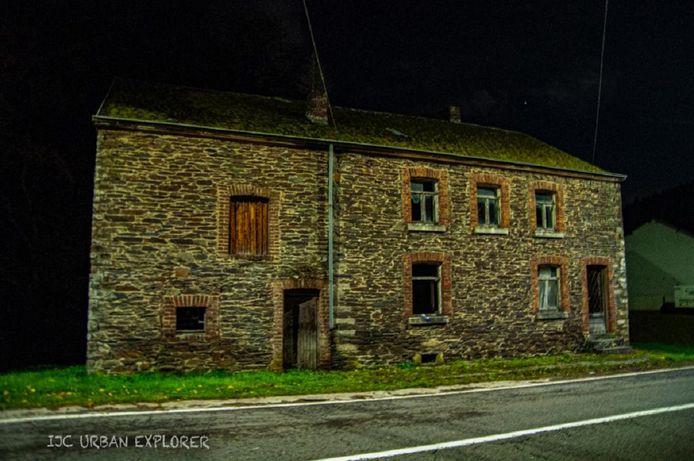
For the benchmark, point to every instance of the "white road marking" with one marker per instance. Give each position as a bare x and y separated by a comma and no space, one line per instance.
507,435
171,411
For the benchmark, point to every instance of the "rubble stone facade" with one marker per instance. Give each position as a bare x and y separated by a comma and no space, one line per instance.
160,241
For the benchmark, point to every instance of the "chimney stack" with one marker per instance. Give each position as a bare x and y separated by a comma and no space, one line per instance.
317,110
455,114
317,107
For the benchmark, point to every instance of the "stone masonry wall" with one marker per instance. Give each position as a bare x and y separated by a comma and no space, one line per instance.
155,240
156,245
493,300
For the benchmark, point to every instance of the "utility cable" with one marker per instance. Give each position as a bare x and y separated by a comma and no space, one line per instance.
320,68
602,60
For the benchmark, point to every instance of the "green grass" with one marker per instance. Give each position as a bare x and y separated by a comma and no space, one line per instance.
73,386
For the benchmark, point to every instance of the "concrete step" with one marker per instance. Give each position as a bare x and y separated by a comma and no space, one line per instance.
608,345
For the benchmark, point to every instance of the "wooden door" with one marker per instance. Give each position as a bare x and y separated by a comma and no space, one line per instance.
307,341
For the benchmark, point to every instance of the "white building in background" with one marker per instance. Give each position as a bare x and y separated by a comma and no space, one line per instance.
660,267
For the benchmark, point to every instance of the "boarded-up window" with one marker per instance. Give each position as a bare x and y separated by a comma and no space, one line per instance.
248,229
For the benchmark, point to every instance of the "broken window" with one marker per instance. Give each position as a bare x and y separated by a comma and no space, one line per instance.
190,319
488,210
426,288
248,226
548,284
425,199
545,210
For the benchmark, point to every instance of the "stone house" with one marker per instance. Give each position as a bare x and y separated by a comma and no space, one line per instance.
232,231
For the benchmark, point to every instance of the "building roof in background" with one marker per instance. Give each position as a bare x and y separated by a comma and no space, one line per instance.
168,104
674,207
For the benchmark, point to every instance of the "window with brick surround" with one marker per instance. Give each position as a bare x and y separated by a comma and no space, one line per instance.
248,222
425,201
490,205
550,287
426,288
190,319
190,316
248,226
547,215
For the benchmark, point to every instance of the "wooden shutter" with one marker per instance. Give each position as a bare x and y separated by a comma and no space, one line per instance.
248,233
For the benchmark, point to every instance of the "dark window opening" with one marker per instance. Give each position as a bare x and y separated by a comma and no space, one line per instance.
248,226
424,201
429,357
426,288
190,319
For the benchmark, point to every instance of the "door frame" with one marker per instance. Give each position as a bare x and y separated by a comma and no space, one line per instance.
609,302
277,334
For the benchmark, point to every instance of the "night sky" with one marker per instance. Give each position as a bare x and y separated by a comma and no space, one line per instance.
527,65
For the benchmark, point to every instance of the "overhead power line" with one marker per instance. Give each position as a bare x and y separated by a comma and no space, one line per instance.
602,60
320,68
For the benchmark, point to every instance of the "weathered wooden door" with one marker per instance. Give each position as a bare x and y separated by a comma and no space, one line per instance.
597,307
307,341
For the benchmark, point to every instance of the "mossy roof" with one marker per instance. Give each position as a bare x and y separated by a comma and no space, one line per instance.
135,100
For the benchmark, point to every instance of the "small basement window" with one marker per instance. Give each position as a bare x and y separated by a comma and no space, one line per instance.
426,288
190,319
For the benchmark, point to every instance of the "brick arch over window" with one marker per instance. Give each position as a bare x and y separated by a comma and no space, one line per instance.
536,186
209,302
481,179
611,309
224,196
277,335
562,262
446,281
440,176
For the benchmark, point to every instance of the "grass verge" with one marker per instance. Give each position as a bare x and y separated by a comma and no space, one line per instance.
73,386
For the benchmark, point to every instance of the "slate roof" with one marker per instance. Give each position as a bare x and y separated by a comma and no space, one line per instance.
159,103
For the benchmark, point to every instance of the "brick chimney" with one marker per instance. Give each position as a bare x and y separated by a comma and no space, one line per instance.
455,114
317,108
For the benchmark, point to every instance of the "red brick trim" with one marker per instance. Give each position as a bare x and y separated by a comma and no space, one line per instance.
224,194
611,309
277,336
562,262
483,179
446,279
535,186
441,176
168,314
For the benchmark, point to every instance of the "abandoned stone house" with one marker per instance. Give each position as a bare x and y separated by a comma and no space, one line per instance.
235,231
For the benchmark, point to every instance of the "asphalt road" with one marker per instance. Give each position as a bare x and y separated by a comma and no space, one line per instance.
315,431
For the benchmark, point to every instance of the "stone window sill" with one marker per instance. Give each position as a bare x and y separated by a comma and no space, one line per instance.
196,336
428,319
552,315
491,230
248,257
549,234
425,227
